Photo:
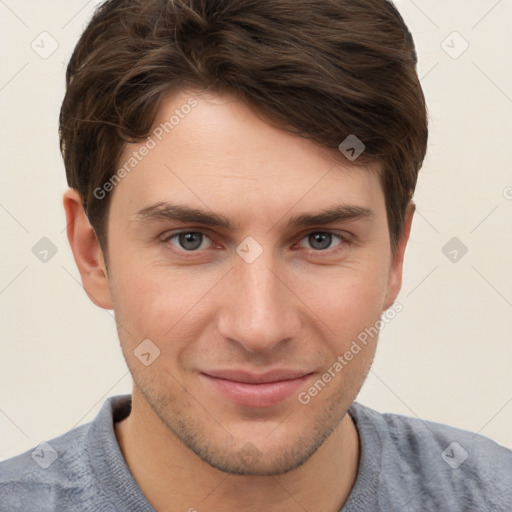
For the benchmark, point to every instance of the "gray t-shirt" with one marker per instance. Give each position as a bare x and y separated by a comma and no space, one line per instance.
406,465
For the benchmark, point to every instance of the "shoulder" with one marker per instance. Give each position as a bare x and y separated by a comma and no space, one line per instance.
52,468
82,469
72,471
438,461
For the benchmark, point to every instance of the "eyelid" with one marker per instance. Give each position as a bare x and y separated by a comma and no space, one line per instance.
170,235
343,236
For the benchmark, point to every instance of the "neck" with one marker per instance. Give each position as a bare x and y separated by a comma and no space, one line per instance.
173,478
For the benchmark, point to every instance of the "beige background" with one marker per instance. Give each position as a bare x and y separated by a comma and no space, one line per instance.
446,357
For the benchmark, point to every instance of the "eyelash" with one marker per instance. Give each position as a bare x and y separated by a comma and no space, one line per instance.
344,241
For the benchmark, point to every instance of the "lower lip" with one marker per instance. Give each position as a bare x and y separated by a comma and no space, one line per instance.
257,395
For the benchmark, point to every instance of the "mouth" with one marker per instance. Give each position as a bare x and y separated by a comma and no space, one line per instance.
256,390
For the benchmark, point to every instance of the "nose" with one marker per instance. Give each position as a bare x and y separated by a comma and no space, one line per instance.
260,312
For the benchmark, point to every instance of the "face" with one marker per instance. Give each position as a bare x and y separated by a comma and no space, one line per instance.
251,259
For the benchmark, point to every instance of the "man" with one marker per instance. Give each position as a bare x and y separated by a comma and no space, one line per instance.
241,179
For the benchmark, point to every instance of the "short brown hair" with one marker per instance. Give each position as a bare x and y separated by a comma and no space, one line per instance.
323,69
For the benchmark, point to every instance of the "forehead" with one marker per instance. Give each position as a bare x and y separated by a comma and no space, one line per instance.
205,147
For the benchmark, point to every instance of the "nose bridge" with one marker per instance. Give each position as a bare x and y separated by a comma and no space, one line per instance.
259,313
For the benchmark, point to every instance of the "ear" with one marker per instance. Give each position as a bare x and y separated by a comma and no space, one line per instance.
87,251
396,268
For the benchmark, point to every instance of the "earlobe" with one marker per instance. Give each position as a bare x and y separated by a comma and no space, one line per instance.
396,268
87,251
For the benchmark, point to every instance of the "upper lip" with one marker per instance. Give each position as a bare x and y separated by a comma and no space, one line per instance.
244,376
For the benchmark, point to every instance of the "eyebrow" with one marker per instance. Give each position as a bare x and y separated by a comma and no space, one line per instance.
335,214
179,213
169,211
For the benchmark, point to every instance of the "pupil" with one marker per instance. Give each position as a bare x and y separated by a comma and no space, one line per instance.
190,241
320,240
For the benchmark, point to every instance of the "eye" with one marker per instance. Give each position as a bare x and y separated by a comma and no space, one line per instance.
321,240
188,240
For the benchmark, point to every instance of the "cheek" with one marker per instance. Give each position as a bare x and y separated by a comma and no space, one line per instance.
155,300
350,308
348,299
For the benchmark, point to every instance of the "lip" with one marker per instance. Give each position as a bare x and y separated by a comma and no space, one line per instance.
256,390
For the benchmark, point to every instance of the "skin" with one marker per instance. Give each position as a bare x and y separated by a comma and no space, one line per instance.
296,306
